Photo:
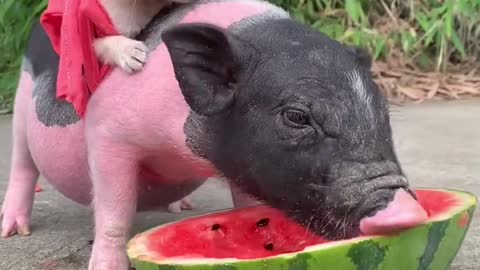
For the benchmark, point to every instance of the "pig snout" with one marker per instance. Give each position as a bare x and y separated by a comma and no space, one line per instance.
402,212
377,200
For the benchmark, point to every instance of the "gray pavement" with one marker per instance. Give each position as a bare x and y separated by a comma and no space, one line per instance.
438,144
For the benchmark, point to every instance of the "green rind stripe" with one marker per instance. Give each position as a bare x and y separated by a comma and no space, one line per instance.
300,262
226,267
331,260
404,249
436,233
367,255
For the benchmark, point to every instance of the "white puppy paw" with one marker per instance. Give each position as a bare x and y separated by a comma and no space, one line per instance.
126,53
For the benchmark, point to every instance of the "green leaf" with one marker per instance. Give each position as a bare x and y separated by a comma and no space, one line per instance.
379,47
333,30
465,7
458,44
423,21
437,12
6,8
449,18
353,10
408,42
40,7
430,34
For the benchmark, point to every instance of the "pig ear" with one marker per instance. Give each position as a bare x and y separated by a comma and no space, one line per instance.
204,65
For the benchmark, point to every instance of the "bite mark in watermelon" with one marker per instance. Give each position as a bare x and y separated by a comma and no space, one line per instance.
263,238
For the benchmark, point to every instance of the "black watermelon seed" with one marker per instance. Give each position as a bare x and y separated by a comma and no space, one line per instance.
90,242
263,222
216,227
269,246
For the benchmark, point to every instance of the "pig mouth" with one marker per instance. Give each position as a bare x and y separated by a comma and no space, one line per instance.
402,212
383,211
359,207
376,201
388,205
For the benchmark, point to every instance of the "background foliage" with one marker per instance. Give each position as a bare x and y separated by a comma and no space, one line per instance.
16,19
425,31
433,35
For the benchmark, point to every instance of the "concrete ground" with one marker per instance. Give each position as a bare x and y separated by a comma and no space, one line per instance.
438,144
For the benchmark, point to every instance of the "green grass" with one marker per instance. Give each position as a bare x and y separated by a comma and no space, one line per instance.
16,19
431,34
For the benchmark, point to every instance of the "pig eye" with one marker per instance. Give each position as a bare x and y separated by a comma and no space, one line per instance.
296,117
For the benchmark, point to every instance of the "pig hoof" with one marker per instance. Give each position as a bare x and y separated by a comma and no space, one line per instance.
186,204
178,206
14,224
174,208
109,259
133,55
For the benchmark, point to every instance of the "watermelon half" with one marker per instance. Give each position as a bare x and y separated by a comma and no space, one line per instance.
262,238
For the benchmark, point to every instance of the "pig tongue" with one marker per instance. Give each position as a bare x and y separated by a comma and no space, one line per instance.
402,213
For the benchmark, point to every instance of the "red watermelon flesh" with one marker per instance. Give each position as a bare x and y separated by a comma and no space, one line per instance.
261,233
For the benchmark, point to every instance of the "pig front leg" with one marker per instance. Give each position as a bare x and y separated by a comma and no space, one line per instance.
114,168
18,202
127,53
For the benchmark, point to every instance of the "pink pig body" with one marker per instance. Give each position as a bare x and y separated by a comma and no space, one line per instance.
152,119
131,139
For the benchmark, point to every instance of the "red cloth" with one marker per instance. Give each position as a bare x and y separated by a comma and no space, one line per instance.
72,26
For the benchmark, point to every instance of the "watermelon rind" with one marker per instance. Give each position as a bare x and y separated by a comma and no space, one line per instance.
431,246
